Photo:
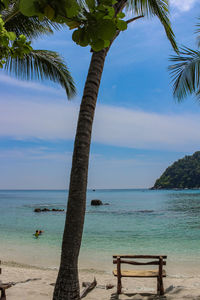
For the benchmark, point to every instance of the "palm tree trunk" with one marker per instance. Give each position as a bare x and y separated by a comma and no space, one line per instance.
67,285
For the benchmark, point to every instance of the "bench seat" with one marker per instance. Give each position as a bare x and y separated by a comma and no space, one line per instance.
139,273
140,260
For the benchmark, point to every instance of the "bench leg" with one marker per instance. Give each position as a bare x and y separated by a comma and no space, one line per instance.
160,286
119,285
3,294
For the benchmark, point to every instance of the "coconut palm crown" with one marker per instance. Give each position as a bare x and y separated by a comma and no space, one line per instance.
186,71
153,8
37,64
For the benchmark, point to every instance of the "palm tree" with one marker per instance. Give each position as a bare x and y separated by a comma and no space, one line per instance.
67,284
186,71
38,64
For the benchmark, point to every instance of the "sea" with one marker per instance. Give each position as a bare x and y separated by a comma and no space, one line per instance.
136,221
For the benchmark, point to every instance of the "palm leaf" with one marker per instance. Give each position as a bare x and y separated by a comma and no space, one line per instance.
159,8
31,27
186,73
41,65
198,32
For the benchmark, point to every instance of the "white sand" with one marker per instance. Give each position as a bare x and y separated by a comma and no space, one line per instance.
176,286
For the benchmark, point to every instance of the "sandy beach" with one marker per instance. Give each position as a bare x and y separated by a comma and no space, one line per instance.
35,283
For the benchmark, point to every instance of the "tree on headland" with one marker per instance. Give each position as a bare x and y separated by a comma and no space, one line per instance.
19,58
186,71
96,23
182,174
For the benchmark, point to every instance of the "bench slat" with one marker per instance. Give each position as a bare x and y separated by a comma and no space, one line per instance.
141,256
130,262
139,273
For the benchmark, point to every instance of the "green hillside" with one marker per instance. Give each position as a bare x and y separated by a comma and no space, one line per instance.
184,173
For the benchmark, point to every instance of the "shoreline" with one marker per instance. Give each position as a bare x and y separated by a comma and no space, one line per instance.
184,264
184,269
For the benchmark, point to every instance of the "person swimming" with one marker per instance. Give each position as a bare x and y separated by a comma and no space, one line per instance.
36,234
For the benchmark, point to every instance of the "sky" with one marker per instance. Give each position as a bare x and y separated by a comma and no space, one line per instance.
139,128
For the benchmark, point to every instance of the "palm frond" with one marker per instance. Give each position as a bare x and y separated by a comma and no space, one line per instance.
31,27
198,32
41,65
185,73
159,8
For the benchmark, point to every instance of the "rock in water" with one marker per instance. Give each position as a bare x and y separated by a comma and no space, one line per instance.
96,202
38,210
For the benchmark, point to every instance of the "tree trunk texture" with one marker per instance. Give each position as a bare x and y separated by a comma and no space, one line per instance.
67,284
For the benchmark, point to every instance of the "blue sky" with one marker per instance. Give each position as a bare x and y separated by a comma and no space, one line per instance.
139,128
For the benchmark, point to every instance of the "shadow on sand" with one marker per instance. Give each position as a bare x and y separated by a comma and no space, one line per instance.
137,296
172,290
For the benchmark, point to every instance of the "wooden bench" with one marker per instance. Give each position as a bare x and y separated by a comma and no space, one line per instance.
159,260
3,287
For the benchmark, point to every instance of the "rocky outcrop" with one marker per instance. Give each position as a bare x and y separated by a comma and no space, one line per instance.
96,202
38,210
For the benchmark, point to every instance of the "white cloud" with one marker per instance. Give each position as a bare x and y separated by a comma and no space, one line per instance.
113,125
43,167
183,5
20,119
139,129
39,153
139,172
28,84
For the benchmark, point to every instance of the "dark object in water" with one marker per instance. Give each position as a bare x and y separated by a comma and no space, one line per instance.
106,204
38,210
96,202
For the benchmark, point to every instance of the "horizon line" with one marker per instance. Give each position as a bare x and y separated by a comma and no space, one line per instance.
89,189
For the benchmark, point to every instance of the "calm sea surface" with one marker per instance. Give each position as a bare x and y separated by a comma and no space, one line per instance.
136,221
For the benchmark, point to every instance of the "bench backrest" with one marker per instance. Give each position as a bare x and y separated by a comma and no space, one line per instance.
159,260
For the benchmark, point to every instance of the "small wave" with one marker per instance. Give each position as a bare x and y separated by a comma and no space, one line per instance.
43,205
122,212
21,265
145,211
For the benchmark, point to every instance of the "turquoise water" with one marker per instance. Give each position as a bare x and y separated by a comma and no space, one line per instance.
136,221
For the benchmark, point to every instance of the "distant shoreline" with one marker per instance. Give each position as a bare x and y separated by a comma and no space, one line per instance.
90,189
174,189
106,189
